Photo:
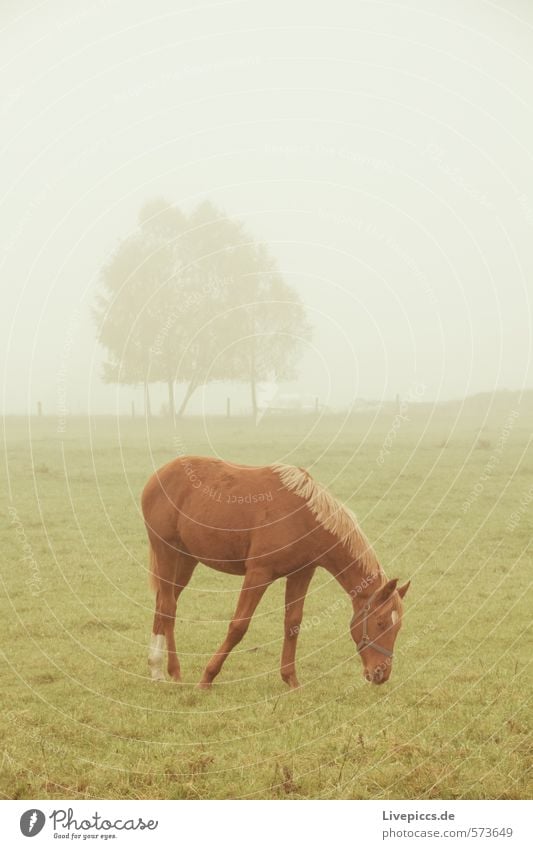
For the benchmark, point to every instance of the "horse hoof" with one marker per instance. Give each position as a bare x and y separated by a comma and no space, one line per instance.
156,673
292,683
204,685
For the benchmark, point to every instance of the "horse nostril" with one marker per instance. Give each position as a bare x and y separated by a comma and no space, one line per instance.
368,676
378,675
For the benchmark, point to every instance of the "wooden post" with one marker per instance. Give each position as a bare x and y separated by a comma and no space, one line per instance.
316,403
228,408
133,409
39,408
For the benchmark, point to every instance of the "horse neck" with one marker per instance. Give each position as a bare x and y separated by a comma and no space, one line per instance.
358,582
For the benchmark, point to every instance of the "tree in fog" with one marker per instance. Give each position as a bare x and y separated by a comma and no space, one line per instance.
246,324
165,230
271,323
193,299
212,239
139,292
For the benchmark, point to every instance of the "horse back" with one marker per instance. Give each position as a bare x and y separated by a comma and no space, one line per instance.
224,513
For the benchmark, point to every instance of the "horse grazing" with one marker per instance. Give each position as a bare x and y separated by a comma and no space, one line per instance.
265,523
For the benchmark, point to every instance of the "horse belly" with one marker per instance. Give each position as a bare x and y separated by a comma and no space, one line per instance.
227,568
220,548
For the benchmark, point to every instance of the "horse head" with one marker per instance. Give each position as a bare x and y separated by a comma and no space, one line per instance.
374,629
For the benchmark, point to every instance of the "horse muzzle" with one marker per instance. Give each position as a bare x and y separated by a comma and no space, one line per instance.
377,676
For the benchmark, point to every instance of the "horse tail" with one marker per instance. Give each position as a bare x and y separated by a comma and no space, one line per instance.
153,574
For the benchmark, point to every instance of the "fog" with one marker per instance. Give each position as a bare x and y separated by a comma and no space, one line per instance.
382,151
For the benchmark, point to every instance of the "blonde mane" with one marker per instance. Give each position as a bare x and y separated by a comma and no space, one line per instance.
331,514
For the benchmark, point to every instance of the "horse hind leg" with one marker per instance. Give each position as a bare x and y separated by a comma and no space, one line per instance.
173,571
184,569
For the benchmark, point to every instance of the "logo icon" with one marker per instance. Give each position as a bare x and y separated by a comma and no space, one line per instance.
31,822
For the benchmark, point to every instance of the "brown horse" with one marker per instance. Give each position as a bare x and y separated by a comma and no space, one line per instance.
265,523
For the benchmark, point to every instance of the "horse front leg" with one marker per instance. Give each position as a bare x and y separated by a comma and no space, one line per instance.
295,591
255,583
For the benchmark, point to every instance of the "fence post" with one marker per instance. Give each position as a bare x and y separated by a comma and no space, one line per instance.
133,409
39,408
228,408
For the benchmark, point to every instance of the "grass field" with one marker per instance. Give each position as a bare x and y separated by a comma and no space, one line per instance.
447,499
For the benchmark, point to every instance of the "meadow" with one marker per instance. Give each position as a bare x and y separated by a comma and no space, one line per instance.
445,494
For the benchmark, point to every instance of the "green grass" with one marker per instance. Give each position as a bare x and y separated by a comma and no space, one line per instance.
79,716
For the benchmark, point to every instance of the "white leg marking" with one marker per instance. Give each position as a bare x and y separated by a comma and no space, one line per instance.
155,657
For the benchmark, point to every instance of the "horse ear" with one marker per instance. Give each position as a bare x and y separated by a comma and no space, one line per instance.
387,590
403,590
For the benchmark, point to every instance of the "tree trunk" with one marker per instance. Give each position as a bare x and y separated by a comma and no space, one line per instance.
253,382
171,404
189,391
147,405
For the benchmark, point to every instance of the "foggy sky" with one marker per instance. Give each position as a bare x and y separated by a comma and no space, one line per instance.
381,149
